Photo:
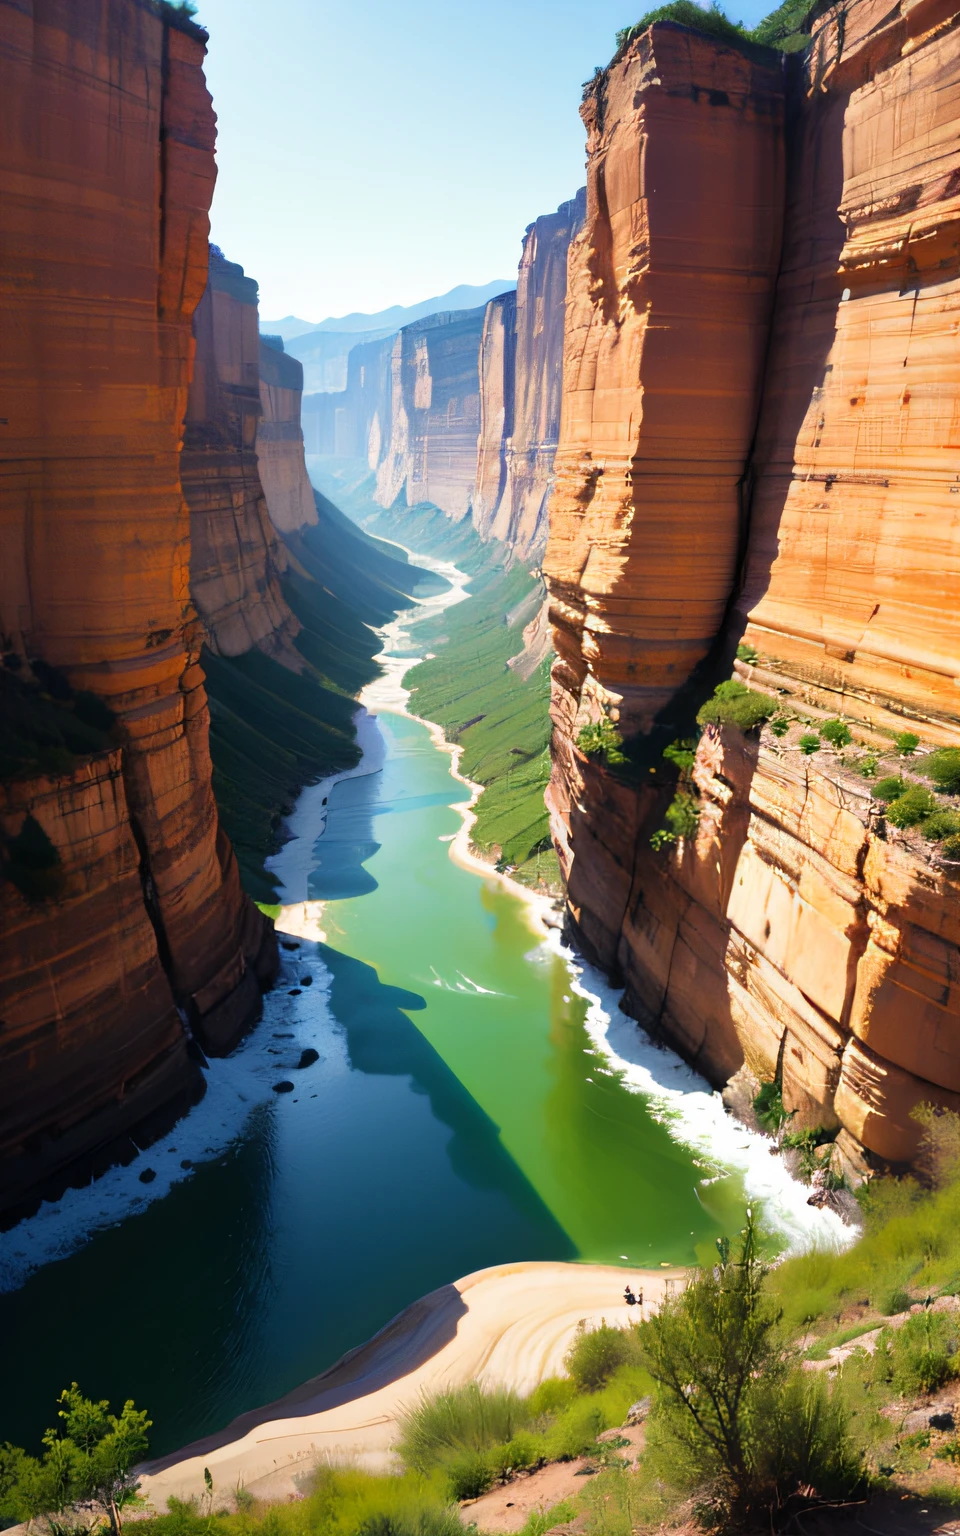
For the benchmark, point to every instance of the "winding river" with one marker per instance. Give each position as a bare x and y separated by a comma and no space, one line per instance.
463,1094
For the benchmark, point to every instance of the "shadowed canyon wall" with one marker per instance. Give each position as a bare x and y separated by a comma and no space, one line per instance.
791,485
236,558
283,473
122,914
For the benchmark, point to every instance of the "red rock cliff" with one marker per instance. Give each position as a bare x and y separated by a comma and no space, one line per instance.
107,170
236,558
283,473
792,930
521,378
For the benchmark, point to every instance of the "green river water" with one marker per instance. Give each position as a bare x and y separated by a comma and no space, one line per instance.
469,1106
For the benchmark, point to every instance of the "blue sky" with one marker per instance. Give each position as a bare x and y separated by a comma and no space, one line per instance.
377,152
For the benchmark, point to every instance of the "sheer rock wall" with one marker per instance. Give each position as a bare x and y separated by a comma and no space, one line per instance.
106,167
236,558
283,473
792,931
521,380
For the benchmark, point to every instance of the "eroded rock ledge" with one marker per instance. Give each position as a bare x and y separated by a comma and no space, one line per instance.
783,472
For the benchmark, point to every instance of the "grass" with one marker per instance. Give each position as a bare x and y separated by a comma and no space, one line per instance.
271,730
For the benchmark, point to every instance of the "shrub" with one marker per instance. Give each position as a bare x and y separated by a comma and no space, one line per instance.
683,815
780,725
746,653
469,1475
922,1352
733,703
768,1108
943,767
941,824
912,807
888,789
574,1431
951,848
596,1353
809,743
894,1301
713,23
837,733
602,739
682,753
468,1418
552,1395
524,1450
868,766
906,743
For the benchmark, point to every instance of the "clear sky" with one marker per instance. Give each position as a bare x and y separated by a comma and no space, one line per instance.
377,152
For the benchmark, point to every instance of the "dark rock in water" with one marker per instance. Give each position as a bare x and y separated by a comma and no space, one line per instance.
186,1163
148,1175
283,1087
288,944
306,981
294,992
308,1057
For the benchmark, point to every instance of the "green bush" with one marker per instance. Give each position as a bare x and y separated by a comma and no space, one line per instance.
906,743
922,1352
941,824
780,725
469,1474
683,815
809,743
837,733
951,848
943,767
602,739
470,1418
868,766
768,1108
596,1353
746,653
574,1431
682,753
733,703
890,788
712,23
912,807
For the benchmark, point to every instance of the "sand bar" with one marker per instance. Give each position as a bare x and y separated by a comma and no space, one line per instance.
511,1323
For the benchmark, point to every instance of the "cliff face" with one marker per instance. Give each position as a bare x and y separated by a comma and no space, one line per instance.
521,377
434,414
792,929
283,473
105,188
236,559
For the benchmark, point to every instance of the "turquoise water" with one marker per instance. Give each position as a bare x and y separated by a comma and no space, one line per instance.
462,1112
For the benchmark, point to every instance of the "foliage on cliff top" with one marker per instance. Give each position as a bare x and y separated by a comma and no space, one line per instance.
782,29
733,703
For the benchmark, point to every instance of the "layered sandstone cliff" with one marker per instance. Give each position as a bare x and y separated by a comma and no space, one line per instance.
793,929
107,170
236,558
283,473
521,377
434,414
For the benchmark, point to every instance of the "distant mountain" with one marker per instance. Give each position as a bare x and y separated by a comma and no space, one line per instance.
466,296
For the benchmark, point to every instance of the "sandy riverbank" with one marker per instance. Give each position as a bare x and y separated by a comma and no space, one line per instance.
511,1323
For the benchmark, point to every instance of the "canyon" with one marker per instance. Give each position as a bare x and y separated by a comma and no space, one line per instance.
756,453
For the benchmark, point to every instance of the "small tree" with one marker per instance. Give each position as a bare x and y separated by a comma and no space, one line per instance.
89,1457
735,1417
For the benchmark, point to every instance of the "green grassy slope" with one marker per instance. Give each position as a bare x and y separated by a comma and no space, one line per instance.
501,720
272,731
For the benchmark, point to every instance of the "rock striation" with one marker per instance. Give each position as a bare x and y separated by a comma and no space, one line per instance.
107,170
787,479
521,378
236,558
431,455
283,473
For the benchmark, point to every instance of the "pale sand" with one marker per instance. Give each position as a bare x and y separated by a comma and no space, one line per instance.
509,1324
